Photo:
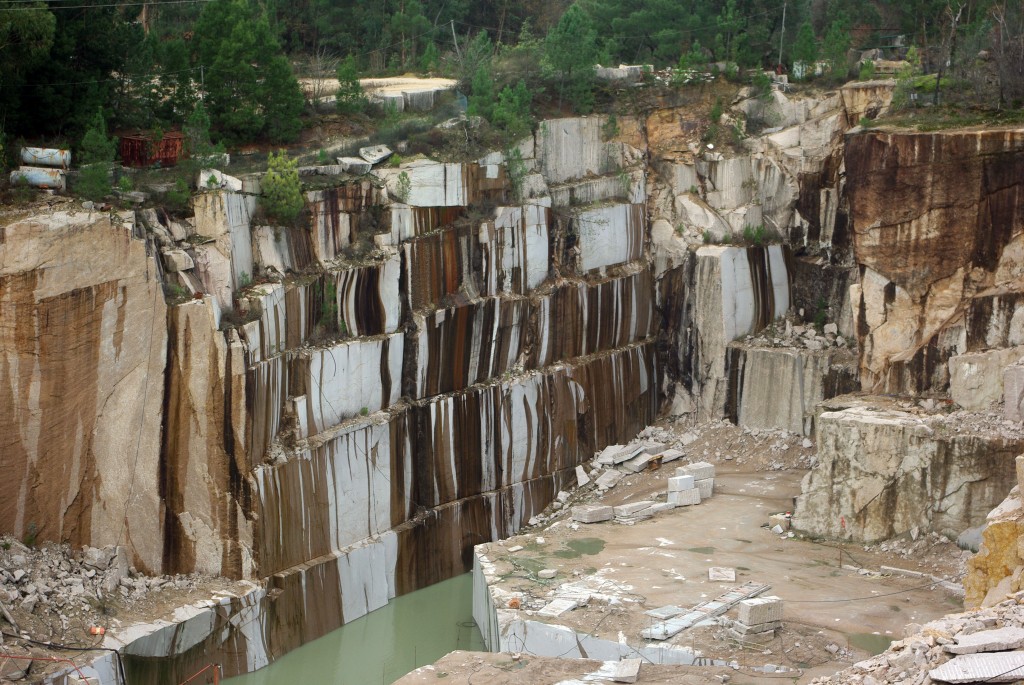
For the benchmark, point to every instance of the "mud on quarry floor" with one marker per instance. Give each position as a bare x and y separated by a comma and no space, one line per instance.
833,614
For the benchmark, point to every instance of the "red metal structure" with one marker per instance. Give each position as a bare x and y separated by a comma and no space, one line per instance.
140,150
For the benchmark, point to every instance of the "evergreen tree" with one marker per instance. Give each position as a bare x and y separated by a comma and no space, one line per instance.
835,48
250,89
351,98
481,98
512,111
570,52
805,49
96,155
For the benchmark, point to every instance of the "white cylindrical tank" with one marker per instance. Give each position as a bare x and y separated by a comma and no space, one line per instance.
46,156
38,177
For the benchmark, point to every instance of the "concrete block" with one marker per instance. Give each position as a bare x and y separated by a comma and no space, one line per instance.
699,470
627,671
680,483
684,498
609,479
633,508
592,513
760,610
706,487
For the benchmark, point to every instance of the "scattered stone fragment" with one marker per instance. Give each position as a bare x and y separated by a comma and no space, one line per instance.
547,573
581,477
557,607
515,548
722,573
627,671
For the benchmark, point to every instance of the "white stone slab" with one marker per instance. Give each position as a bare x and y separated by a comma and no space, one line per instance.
722,573
990,668
557,607
680,483
670,455
609,479
999,640
665,612
699,470
633,508
581,477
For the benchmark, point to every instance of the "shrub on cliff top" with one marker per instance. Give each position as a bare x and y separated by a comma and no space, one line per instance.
282,190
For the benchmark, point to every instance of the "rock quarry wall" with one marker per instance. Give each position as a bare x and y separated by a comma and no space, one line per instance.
342,410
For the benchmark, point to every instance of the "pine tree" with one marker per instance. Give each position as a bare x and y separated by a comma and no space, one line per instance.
512,111
481,98
571,51
805,49
282,189
97,155
351,98
835,47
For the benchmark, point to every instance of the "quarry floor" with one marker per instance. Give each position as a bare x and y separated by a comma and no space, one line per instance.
833,616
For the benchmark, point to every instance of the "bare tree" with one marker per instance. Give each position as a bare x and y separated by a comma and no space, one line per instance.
1008,49
323,67
948,45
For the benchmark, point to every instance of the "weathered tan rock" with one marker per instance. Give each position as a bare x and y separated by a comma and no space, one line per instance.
867,99
976,379
931,215
882,471
82,352
205,443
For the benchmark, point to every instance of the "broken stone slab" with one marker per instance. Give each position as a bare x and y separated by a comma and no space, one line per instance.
999,640
760,610
632,508
990,668
616,454
355,165
547,573
680,483
700,470
655,450
177,260
639,463
375,154
670,455
627,671
609,479
706,486
562,496
581,477
684,498
592,513
557,607
665,612
722,573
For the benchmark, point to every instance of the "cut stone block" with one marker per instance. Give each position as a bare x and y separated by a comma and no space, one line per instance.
557,607
592,513
684,498
375,154
633,508
706,487
662,506
999,640
581,477
627,671
700,470
760,610
355,165
680,483
609,479
722,573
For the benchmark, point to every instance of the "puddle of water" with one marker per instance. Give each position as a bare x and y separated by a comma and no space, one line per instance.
869,642
411,631
701,550
578,548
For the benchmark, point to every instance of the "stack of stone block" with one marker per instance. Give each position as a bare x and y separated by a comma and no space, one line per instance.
759,617
703,475
682,490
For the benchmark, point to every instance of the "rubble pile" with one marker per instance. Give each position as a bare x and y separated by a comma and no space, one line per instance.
53,592
968,647
788,334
